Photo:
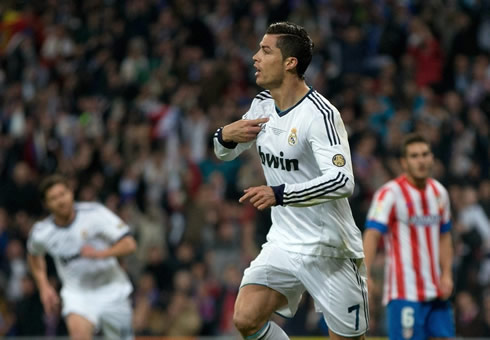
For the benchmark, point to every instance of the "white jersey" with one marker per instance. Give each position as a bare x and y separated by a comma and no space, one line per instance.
306,160
94,225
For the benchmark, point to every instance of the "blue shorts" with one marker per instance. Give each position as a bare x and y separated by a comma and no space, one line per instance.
420,320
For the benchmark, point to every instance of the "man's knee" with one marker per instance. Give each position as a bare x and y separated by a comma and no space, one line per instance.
246,323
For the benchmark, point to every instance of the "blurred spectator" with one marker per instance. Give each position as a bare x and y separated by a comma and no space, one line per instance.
29,311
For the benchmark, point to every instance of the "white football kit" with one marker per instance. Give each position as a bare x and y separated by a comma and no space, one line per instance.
97,289
306,160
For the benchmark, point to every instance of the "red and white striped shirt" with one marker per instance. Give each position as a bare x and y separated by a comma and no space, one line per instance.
411,221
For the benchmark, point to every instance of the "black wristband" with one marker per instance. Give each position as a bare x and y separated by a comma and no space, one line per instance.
219,134
278,193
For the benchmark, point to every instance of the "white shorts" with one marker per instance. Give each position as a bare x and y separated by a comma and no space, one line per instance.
114,318
338,286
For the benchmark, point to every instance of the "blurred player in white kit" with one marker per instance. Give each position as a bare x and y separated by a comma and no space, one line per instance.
84,239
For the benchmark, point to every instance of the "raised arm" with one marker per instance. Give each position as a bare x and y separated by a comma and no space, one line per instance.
234,138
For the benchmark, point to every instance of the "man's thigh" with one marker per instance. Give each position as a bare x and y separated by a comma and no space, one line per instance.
440,322
76,303
79,327
339,288
257,303
275,269
407,320
116,320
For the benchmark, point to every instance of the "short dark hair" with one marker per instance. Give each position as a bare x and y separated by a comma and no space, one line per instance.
293,41
411,139
49,182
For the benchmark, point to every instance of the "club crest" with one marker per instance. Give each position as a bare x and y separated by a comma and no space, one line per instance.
293,138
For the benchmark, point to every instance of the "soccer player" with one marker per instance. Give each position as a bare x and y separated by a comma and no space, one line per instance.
313,243
412,213
84,240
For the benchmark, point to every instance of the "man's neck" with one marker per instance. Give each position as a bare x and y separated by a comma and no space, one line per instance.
289,93
418,183
64,221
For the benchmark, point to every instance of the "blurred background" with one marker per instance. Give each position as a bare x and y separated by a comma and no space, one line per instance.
123,97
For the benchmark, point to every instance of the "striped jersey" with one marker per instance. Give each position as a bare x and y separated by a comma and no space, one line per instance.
94,225
411,221
306,159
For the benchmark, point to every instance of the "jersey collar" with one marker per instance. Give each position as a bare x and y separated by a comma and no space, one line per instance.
285,112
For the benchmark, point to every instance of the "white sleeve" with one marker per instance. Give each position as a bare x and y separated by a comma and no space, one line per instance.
381,210
227,151
34,245
110,225
333,159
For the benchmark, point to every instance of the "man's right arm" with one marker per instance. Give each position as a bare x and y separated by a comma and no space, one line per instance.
370,243
234,138
378,221
37,263
49,297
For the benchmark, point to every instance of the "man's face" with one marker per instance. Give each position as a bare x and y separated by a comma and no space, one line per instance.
59,200
269,63
418,161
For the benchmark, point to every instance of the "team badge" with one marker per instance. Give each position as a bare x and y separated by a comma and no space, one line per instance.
338,160
84,235
293,138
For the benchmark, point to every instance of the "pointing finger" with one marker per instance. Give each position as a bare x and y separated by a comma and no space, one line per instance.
259,121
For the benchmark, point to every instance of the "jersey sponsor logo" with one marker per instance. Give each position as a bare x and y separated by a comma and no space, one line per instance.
293,137
425,220
278,162
67,259
338,160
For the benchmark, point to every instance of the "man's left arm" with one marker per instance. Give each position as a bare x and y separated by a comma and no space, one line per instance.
336,180
124,246
115,230
446,263
446,247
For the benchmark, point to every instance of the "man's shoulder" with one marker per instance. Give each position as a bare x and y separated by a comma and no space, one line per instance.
389,188
319,103
89,206
437,184
42,226
264,95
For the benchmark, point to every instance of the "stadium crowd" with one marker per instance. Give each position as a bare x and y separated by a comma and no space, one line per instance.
123,97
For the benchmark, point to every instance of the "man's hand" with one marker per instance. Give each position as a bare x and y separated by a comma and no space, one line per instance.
446,286
242,131
91,252
261,197
49,299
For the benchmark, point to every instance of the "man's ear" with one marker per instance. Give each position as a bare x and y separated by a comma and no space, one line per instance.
403,163
290,63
